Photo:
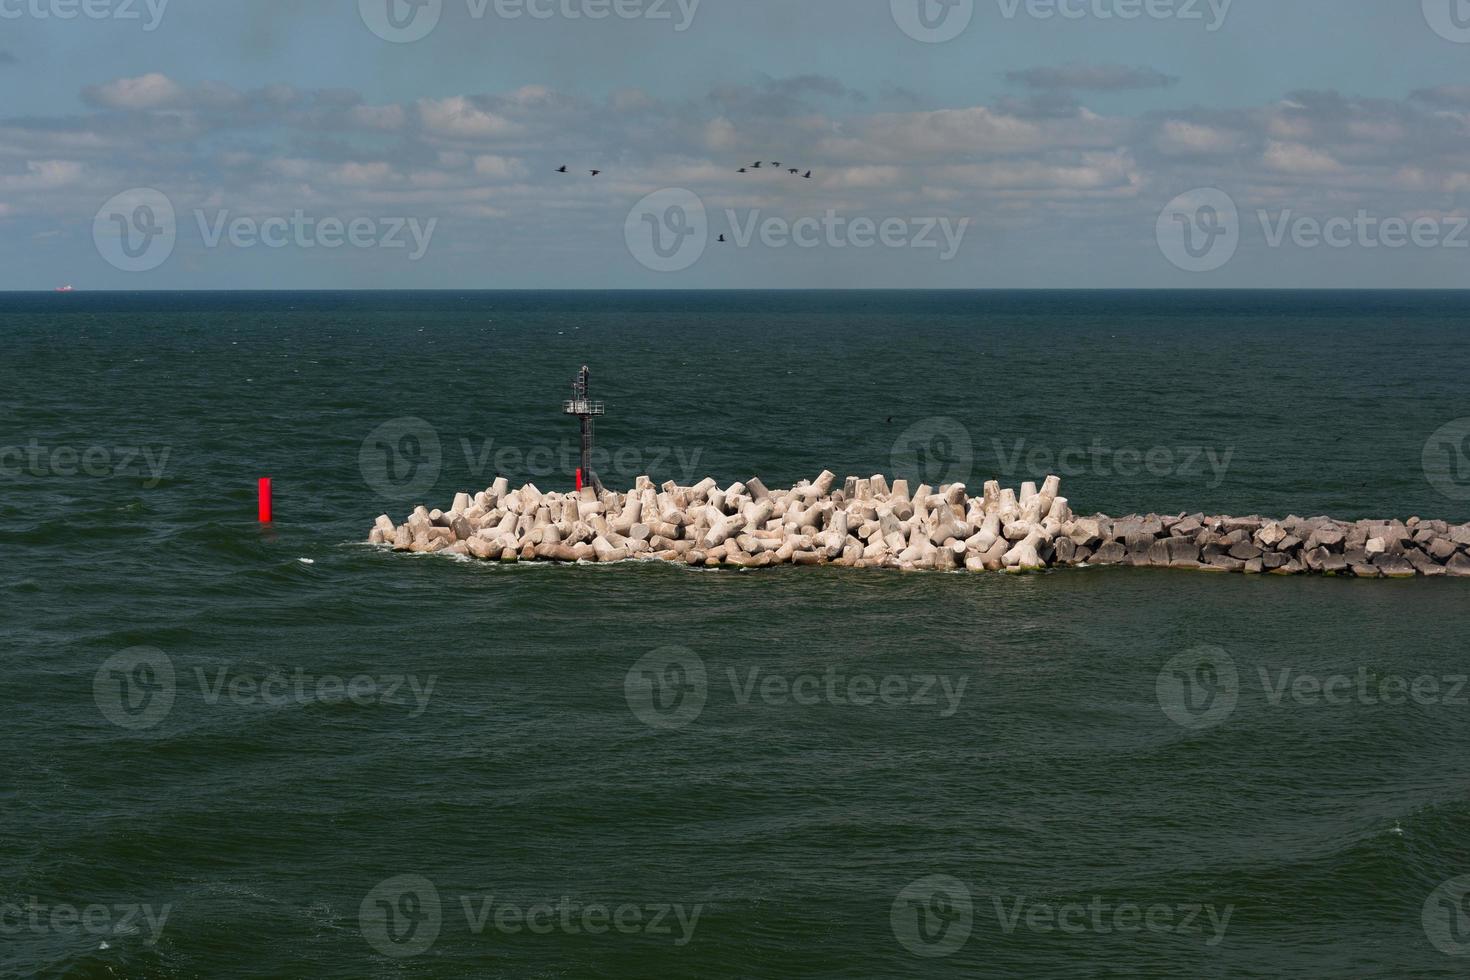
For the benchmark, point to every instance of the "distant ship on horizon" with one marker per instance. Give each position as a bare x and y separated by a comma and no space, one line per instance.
68,288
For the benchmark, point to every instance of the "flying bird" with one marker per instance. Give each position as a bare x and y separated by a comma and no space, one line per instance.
594,172
743,170
757,165
794,172
775,163
721,238
807,175
562,169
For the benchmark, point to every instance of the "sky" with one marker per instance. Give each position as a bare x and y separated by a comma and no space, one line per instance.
314,144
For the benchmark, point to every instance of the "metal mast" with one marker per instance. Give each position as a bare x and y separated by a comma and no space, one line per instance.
586,410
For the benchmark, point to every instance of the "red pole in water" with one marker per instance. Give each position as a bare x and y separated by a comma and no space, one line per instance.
265,500
579,479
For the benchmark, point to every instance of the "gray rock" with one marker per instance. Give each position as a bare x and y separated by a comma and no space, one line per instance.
1327,536
1391,530
1226,562
1441,549
1186,528
1086,533
1458,567
1425,565
1394,566
1151,526
1392,535
1111,553
1182,549
1245,551
1270,535
1139,544
1304,527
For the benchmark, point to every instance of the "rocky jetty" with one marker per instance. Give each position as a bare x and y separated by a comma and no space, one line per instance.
869,523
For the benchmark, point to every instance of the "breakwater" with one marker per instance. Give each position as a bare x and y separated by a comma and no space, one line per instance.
869,522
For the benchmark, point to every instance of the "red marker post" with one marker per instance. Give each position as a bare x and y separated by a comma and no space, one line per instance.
265,500
579,479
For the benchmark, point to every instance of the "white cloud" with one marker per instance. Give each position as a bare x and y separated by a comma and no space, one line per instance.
458,118
977,129
1183,138
43,175
498,167
1090,171
720,135
362,174
1296,158
152,91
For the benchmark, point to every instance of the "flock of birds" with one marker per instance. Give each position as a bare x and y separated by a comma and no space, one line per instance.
775,165
758,165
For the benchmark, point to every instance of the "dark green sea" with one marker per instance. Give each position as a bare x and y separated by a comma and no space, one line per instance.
238,750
